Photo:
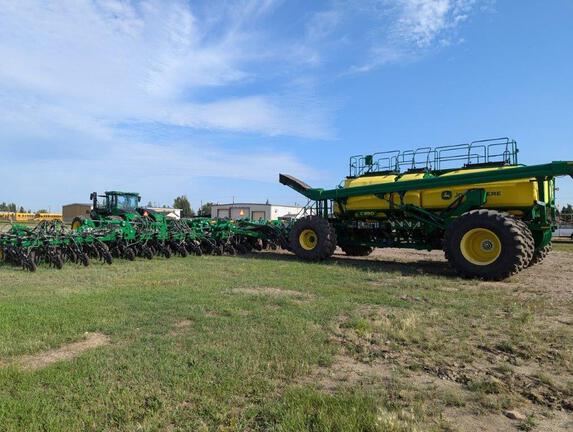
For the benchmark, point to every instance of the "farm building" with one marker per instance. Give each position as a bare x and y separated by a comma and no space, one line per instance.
70,211
254,211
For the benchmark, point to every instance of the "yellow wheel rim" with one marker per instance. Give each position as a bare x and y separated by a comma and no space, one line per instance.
481,246
308,239
76,225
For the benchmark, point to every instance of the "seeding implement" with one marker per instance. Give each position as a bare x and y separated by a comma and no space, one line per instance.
52,243
492,216
118,227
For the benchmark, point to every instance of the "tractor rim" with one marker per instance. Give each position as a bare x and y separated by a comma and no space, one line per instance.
76,225
481,246
308,239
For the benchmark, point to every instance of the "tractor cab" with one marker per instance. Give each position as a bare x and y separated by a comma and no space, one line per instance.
114,203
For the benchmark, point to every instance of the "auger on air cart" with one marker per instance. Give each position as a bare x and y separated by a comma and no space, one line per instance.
492,216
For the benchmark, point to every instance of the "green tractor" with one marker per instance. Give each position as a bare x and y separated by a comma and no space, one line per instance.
131,230
490,215
115,205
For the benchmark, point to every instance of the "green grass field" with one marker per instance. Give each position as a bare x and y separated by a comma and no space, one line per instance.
563,246
269,343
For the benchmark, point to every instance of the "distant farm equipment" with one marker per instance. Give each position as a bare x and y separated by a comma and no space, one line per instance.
490,215
29,217
119,228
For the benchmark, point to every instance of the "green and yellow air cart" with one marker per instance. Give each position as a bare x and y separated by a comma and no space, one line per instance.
490,215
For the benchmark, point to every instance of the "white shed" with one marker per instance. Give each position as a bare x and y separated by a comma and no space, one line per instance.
254,211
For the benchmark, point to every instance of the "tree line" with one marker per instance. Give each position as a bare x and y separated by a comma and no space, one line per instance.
11,207
182,202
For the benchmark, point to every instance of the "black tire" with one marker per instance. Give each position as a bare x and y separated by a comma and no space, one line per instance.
312,238
57,261
166,251
540,254
486,244
30,265
106,256
357,250
84,259
530,242
230,250
71,256
129,254
148,253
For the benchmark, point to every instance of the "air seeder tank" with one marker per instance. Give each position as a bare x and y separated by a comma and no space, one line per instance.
492,216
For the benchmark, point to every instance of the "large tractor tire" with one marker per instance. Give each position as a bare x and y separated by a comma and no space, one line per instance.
530,243
357,251
540,254
487,244
312,238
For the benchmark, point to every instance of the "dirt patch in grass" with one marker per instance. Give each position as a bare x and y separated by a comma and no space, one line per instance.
494,377
467,421
180,327
65,352
273,292
552,278
212,314
462,419
346,371
398,337
183,324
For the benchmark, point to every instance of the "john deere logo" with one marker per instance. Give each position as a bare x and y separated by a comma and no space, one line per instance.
446,195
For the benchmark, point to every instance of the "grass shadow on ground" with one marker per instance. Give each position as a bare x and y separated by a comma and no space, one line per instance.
411,268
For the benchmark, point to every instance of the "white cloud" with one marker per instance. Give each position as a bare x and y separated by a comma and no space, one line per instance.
390,31
421,21
111,60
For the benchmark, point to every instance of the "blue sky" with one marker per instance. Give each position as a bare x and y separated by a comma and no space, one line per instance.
213,99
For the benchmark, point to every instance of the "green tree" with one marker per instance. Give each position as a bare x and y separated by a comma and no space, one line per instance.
182,202
205,210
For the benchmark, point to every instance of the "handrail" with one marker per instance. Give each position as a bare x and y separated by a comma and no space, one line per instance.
494,150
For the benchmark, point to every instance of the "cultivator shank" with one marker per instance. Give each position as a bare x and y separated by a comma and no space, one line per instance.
142,234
